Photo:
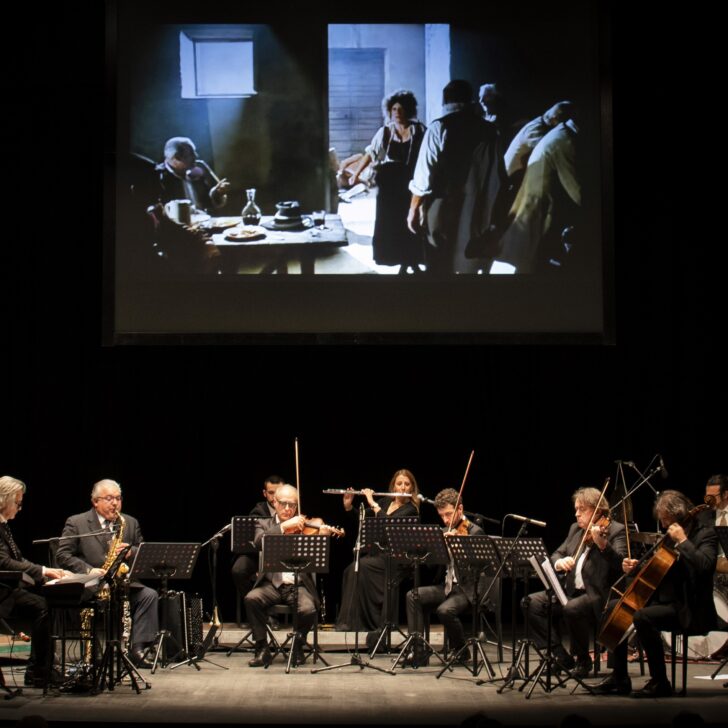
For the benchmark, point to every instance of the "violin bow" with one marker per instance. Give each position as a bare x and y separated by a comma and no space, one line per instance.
298,475
587,530
460,493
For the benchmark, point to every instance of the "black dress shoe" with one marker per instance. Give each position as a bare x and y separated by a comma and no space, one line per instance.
136,655
465,657
564,659
654,689
262,658
583,669
612,685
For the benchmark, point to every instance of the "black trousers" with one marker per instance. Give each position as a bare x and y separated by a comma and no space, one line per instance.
266,595
577,617
24,605
447,607
244,571
649,623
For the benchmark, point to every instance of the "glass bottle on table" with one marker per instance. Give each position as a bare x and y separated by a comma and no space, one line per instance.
251,212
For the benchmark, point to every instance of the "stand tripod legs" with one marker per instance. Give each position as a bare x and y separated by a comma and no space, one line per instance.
479,658
416,645
114,655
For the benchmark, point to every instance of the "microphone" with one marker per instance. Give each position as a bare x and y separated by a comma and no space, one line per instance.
663,469
531,521
628,463
421,498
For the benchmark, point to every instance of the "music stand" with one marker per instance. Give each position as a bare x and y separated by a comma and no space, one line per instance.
163,561
514,557
242,533
374,534
301,555
473,556
355,659
114,655
417,545
548,663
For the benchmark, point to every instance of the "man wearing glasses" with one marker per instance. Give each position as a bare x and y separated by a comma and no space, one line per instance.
87,556
277,588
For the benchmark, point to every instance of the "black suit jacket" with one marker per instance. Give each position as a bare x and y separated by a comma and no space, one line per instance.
271,526
15,562
80,555
601,568
260,509
689,582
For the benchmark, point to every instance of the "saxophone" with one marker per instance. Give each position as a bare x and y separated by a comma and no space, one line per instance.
104,594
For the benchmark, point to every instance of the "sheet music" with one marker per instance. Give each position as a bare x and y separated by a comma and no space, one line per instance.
548,577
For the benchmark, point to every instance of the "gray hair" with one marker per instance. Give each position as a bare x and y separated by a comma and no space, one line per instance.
175,144
590,497
97,487
9,488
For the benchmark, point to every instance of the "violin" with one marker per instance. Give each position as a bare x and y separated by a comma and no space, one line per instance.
312,526
603,524
462,529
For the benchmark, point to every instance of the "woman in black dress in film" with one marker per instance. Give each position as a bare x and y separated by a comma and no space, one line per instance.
394,151
363,610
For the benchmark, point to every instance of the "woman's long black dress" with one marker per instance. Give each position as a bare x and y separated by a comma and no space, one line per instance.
393,243
363,610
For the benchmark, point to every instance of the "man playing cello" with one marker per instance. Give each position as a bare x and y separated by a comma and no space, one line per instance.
682,600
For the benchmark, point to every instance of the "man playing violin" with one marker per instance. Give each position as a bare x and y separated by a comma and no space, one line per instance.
683,599
599,555
278,587
452,596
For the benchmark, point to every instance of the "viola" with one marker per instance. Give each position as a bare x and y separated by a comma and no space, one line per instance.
638,593
312,526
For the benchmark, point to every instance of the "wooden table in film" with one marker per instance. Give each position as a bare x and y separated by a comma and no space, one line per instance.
278,248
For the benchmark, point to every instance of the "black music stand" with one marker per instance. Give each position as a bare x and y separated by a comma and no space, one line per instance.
301,555
473,556
164,561
548,662
417,545
242,533
355,659
374,534
514,557
114,657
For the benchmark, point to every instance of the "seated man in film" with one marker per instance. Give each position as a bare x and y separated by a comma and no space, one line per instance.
93,555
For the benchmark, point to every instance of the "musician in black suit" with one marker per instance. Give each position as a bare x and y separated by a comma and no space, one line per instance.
451,594
277,588
587,582
87,556
682,600
17,601
246,565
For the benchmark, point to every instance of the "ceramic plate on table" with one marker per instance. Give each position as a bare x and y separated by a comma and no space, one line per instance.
245,234
219,223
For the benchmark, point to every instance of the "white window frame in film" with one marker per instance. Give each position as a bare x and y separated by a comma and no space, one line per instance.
216,62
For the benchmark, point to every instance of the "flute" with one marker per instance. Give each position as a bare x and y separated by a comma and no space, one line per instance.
342,491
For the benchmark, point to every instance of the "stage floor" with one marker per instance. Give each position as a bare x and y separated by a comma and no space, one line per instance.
244,695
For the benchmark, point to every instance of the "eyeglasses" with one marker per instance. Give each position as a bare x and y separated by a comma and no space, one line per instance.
109,498
287,504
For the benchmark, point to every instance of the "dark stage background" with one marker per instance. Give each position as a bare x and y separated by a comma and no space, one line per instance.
190,432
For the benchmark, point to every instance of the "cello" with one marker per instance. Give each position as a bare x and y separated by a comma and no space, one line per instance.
619,624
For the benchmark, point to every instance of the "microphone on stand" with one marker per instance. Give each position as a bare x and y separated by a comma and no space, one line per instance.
663,469
530,521
421,498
